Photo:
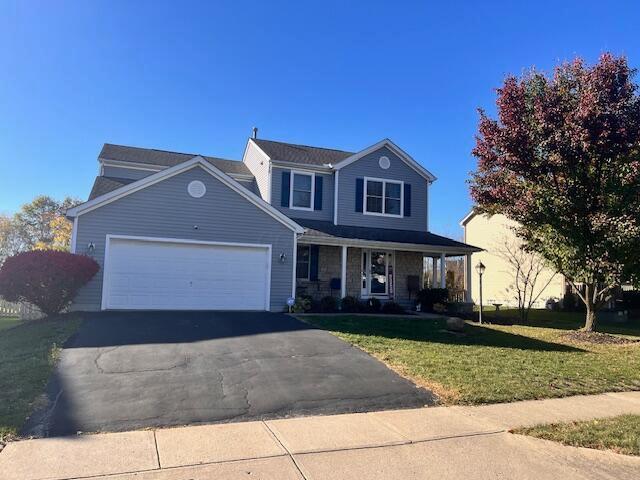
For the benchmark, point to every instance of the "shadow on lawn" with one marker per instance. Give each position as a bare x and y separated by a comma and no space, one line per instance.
427,330
564,321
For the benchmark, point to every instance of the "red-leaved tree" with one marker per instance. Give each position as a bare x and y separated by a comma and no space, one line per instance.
563,160
48,279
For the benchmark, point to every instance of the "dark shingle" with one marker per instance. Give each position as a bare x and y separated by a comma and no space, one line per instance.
328,229
104,185
289,152
163,158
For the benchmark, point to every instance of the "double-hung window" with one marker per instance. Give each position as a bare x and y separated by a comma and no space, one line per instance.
301,191
303,262
383,197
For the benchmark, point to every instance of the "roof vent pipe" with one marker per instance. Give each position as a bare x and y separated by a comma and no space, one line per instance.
255,132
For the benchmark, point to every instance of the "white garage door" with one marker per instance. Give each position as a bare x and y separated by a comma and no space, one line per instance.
174,275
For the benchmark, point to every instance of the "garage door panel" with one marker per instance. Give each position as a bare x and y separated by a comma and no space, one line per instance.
142,274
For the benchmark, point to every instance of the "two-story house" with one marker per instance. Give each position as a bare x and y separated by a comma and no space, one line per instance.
191,232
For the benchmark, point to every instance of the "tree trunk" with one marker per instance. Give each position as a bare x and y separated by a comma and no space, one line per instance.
590,319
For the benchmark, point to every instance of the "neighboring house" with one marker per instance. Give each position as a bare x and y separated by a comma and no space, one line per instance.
181,231
495,235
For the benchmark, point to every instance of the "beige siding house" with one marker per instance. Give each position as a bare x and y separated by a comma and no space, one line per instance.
495,236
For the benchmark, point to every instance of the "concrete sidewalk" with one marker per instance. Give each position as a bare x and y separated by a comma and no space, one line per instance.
440,442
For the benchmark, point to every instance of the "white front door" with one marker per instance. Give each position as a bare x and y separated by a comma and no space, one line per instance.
183,275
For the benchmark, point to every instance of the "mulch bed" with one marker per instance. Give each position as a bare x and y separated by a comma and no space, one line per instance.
597,337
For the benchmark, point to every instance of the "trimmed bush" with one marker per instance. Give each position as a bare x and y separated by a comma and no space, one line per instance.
569,303
428,297
48,279
350,305
392,308
631,299
303,304
328,304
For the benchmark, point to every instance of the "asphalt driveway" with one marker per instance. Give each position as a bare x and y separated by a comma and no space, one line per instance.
130,370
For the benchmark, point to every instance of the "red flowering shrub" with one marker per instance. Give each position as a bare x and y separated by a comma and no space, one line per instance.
48,279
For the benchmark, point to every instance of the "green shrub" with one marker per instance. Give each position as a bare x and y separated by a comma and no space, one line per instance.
328,304
428,297
569,302
303,304
350,305
631,299
392,308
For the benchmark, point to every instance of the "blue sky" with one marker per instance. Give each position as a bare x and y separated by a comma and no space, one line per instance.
197,76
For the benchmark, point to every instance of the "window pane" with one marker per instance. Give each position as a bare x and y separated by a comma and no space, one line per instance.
302,261
374,188
392,190
392,206
301,199
303,253
302,182
374,204
302,270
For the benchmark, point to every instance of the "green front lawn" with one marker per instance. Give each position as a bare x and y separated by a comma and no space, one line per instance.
620,434
8,322
492,363
27,355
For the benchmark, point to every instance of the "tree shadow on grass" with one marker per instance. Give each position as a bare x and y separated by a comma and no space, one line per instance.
434,331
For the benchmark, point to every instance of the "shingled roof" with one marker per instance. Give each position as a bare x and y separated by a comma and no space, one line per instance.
304,154
163,158
103,185
321,228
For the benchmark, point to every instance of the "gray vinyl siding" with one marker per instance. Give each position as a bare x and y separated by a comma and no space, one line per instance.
368,166
259,165
166,210
121,172
327,197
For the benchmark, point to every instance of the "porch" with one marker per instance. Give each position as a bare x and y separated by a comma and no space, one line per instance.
329,262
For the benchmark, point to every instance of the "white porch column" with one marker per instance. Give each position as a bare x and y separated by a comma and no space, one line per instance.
343,273
443,279
434,276
467,279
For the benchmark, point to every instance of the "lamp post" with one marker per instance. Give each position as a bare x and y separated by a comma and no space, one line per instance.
480,268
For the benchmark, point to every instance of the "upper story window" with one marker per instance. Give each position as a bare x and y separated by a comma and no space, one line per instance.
302,194
383,197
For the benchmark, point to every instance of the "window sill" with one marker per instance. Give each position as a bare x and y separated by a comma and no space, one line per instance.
376,214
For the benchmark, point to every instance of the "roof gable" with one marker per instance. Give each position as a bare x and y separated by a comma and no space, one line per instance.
195,162
404,156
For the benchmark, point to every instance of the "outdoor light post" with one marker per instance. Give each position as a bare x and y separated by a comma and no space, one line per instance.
480,268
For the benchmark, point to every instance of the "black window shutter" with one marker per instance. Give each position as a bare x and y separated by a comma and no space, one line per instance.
359,193
407,200
317,201
284,188
313,259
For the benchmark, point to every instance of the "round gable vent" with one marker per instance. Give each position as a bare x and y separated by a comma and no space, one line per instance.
384,162
196,189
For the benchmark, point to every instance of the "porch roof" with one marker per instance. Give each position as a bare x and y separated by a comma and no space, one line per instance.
328,233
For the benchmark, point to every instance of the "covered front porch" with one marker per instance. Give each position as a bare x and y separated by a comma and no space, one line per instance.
338,266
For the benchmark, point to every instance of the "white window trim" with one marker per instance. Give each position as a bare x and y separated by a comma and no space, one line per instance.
384,190
313,189
366,255
295,273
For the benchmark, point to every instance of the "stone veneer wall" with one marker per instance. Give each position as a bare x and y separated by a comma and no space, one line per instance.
329,258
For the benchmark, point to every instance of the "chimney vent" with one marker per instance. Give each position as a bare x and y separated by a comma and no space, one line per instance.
254,132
